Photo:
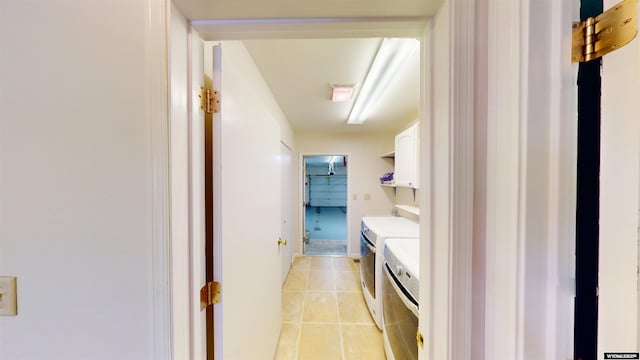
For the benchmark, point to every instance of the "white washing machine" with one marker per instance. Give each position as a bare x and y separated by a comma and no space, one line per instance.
373,232
400,295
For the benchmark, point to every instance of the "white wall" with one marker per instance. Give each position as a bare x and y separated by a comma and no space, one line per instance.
76,186
365,167
619,200
404,196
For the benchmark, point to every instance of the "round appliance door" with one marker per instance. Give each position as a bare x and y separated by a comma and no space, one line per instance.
368,266
399,322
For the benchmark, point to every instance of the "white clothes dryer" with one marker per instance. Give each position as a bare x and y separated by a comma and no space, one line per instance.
373,232
400,298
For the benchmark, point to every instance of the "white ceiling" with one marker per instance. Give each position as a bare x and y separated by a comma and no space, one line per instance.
261,9
336,42
300,73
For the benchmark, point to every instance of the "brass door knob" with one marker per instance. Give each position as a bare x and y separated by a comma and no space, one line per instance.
282,242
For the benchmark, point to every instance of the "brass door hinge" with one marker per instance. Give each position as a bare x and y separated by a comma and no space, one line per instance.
209,294
420,339
611,30
209,100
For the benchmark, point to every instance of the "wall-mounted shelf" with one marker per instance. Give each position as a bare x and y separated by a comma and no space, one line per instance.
410,209
394,187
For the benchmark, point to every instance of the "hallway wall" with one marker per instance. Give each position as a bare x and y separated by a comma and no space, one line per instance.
76,186
618,279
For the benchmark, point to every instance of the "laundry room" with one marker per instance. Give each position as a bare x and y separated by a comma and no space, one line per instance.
342,157
364,157
344,172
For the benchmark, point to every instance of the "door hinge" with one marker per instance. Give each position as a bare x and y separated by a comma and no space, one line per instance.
420,339
209,294
600,35
209,100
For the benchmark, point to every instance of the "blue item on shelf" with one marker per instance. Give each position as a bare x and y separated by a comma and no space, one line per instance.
386,178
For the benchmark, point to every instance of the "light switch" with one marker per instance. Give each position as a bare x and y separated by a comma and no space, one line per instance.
367,196
8,296
355,196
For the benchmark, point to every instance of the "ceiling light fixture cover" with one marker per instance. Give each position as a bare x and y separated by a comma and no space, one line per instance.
391,56
342,92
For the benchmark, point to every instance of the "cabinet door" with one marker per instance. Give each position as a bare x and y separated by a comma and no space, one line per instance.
406,158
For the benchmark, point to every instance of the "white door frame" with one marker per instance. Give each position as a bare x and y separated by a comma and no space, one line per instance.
219,30
507,212
530,180
157,91
446,165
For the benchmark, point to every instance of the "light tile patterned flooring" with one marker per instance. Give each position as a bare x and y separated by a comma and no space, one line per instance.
324,315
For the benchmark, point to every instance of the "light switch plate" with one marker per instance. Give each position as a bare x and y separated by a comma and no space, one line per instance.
8,296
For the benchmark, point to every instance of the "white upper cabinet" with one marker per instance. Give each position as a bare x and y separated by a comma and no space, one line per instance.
407,157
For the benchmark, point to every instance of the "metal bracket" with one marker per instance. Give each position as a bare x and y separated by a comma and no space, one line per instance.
209,294
209,100
420,339
611,30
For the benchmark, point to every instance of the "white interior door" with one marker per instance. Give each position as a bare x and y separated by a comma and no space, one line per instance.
285,250
246,209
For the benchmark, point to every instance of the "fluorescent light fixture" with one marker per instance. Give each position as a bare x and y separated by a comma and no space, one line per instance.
342,92
391,56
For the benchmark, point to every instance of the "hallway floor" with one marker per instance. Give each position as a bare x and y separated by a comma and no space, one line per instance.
324,315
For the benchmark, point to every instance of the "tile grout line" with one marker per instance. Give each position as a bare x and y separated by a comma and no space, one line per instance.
304,302
335,286
333,323
335,270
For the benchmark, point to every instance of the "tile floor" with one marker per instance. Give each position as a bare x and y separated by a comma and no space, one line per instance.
324,315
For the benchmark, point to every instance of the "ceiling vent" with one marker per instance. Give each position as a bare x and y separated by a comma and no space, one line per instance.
342,92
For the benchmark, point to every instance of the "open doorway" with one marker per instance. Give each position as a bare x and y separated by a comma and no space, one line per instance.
325,205
315,140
